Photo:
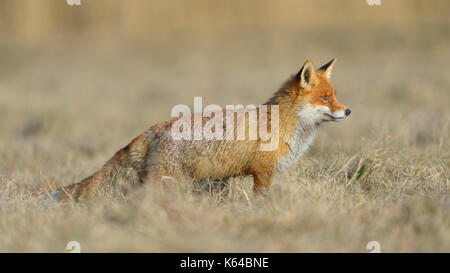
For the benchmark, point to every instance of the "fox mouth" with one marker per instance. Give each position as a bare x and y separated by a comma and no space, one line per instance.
333,117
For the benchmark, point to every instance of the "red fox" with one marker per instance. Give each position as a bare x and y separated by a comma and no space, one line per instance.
303,102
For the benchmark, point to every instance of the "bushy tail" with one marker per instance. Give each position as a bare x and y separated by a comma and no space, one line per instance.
77,190
127,164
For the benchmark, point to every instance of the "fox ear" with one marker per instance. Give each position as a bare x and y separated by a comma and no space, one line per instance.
327,68
307,75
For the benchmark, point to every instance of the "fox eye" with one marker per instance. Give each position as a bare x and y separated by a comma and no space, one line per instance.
325,98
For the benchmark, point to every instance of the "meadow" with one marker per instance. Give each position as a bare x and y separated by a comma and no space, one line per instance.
67,105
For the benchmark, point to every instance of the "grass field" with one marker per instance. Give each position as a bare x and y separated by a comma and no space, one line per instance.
381,175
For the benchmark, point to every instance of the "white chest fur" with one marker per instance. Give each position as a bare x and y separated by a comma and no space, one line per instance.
300,140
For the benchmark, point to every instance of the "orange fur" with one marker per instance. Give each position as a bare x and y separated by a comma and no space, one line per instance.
155,154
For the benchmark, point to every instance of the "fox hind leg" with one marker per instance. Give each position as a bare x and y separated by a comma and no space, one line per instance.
262,181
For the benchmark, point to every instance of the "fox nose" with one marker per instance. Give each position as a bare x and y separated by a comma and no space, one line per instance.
347,112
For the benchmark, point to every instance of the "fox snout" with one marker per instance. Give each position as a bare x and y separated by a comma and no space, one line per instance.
340,115
329,115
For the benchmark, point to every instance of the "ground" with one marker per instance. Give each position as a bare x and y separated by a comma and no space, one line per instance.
380,175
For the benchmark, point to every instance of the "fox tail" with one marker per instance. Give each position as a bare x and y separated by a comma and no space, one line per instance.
127,164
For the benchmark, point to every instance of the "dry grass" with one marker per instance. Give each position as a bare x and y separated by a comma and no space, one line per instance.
382,174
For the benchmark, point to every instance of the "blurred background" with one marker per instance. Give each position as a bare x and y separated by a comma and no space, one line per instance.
79,82
85,79
103,19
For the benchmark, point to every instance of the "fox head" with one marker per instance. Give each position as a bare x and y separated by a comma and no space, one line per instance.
317,94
